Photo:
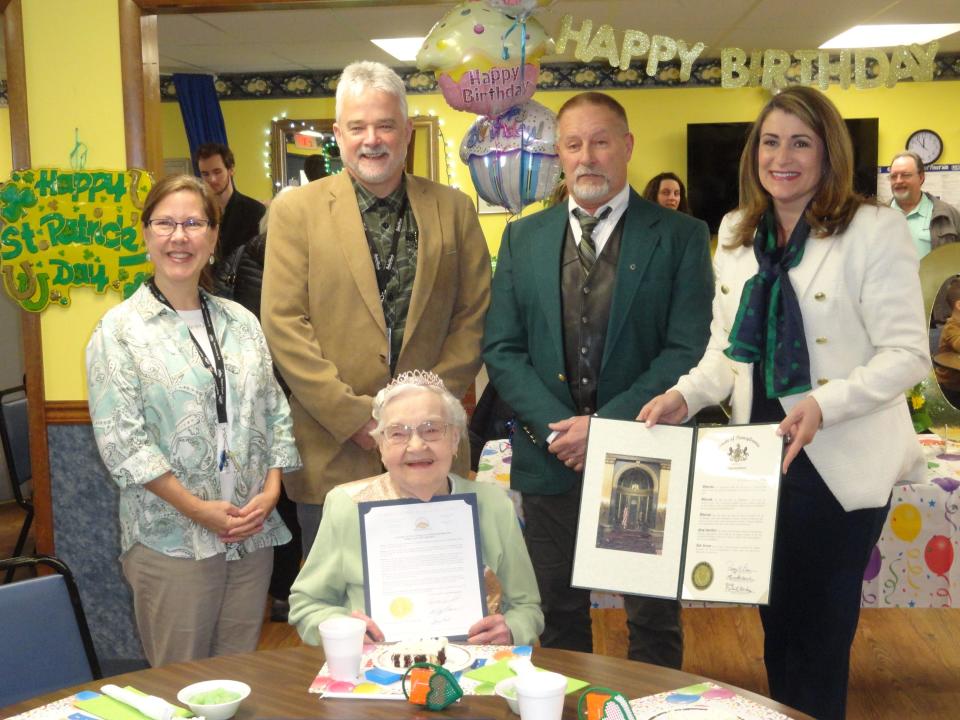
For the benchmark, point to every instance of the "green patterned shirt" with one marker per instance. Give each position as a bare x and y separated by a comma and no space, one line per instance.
153,411
380,221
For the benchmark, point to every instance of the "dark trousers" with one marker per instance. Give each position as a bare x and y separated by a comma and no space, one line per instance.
550,534
820,556
654,630
286,558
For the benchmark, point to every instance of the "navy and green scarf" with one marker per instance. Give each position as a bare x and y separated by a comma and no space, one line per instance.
769,326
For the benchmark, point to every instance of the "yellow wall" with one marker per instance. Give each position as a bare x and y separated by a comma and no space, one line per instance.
658,119
61,99
6,153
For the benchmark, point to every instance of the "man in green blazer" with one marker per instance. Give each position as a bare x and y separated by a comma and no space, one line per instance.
599,304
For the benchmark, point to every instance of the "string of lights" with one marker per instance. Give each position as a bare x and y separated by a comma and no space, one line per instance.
450,164
327,144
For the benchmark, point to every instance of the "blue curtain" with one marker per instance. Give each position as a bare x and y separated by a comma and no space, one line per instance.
200,110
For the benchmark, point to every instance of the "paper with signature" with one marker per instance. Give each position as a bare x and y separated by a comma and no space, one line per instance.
422,566
733,514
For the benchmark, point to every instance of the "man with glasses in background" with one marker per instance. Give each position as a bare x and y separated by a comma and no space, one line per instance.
932,221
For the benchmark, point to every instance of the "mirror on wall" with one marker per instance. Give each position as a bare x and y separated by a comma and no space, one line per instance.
935,401
299,146
941,290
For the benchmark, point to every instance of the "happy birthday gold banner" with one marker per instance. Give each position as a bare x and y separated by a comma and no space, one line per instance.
771,68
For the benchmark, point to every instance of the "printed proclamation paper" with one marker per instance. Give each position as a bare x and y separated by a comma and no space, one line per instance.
422,566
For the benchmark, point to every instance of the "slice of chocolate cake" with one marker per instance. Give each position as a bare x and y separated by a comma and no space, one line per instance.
426,650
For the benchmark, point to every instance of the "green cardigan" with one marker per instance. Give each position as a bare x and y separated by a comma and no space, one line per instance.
331,580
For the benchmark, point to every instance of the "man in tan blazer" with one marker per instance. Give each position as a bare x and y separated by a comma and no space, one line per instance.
368,273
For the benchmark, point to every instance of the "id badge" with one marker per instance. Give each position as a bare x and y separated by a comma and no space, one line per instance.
225,465
389,347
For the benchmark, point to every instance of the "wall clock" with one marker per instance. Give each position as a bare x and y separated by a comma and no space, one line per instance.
927,144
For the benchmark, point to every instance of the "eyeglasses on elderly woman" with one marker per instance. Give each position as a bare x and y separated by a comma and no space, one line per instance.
430,431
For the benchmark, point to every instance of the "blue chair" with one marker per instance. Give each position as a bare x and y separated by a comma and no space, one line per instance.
15,435
46,641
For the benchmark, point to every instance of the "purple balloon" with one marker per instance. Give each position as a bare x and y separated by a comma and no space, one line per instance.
873,566
949,484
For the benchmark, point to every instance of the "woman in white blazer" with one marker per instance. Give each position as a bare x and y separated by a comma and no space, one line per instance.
818,324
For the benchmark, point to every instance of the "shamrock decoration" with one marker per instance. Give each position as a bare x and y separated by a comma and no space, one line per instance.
15,201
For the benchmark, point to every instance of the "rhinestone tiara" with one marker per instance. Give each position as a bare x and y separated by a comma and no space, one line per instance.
424,378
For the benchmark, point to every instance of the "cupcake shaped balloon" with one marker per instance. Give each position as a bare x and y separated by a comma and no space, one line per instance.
485,61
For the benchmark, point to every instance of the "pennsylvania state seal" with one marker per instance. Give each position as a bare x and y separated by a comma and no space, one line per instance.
702,575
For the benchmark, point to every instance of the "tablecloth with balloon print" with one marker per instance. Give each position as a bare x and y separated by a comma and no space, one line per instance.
913,564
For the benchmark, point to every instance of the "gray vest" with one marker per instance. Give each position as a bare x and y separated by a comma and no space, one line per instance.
586,313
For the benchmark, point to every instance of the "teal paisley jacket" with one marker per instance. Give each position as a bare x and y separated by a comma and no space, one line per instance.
153,408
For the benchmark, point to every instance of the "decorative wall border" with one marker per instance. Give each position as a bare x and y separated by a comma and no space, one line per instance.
553,76
67,412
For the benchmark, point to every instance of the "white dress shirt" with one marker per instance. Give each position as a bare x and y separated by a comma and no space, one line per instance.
617,205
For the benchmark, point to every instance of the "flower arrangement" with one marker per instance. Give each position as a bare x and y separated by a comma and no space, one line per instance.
918,408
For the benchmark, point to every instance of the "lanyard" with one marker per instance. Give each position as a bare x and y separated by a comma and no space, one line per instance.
384,270
218,372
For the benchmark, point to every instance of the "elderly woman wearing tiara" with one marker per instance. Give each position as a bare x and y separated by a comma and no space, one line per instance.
419,425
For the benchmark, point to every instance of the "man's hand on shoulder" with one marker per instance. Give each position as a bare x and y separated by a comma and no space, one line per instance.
362,436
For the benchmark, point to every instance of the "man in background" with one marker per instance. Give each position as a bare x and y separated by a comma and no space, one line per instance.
599,304
932,221
241,214
368,273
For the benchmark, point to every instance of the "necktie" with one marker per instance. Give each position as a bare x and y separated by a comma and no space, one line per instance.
587,249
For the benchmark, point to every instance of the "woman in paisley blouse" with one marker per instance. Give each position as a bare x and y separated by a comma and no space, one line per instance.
195,432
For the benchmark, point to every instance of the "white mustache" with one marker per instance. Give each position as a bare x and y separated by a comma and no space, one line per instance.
585,170
374,152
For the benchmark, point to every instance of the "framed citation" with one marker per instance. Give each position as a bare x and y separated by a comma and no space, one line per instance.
679,512
422,566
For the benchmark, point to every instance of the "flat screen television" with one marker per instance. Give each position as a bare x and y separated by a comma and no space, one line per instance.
713,162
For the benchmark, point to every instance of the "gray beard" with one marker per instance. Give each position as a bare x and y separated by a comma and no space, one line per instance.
592,192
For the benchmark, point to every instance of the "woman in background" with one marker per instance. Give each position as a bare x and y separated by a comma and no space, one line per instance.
195,431
818,325
667,190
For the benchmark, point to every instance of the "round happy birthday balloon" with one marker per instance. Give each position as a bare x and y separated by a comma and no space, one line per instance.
513,157
939,554
485,62
905,521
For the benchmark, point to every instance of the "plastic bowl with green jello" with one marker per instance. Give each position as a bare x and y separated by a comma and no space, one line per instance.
214,699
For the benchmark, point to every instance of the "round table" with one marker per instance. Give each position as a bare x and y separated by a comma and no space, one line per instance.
279,680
